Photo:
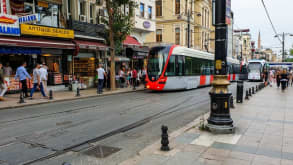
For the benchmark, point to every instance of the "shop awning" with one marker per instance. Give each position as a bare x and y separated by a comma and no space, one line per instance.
131,41
36,43
90,45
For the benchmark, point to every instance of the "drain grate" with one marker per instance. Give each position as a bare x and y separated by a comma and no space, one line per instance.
101,151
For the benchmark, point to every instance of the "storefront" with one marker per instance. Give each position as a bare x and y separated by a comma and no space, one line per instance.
88,55
135,52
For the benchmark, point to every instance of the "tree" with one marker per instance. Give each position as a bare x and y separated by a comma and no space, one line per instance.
119,25
291,51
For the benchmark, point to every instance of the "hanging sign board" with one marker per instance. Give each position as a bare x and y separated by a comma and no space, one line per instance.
29,18
9,25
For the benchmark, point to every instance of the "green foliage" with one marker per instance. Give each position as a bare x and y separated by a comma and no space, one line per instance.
122,21
289,60
291,51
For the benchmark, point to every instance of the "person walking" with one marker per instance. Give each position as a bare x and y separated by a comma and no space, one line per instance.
44,77
128,77
284,79
291,78
3,87
278,78
22,75
134,77
101,77
37,82
122,78
7,70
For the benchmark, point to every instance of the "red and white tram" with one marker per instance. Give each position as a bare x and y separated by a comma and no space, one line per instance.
179,68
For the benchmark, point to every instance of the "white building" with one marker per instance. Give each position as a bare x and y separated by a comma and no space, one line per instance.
144,20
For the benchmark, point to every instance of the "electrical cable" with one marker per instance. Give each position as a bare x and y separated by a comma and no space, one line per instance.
268,15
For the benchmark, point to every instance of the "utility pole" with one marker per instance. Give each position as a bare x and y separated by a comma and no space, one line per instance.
283,47
220,120
188,28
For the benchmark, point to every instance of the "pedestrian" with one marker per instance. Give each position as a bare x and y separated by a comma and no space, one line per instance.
122,78
3,87
284,79
37,81
278,74
134,78
271,78
22,76
128,79
44,77
101,77
291,77
7,70
45,66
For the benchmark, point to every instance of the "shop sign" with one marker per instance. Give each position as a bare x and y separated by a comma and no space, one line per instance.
19,50
9,25
46,31
59,2
29,18
43,4
146,24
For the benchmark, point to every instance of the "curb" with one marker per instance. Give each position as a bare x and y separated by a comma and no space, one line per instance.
66,99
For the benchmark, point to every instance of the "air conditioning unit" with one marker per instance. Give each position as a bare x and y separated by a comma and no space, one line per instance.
82,18
99,2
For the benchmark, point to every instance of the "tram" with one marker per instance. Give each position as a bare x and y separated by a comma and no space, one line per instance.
179,68
256,69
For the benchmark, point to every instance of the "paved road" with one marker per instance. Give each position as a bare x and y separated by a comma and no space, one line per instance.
35,133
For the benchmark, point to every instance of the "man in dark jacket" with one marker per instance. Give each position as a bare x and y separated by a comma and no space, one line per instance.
3,87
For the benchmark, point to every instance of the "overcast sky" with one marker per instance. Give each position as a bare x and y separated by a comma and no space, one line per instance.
251,14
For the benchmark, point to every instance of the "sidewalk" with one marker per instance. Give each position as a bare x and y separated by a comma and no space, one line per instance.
264,136
11,100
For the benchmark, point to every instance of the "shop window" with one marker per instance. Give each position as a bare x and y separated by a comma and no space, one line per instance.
159,35
177,6
49,14
177,36
150,11
141,9
159,8
170,71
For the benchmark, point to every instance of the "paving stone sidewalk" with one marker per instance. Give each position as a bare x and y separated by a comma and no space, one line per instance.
264,136
11,100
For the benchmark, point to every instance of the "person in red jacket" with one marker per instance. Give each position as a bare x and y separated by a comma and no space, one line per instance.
134,77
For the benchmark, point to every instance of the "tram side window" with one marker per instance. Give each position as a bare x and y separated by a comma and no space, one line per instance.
180,65
171,68
196,66
188,66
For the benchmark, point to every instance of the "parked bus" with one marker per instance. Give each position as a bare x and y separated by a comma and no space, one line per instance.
256,70
178,68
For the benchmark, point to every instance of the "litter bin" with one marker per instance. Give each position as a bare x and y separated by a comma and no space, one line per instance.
239,91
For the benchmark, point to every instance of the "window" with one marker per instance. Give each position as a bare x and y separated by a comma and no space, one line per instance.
188,66
69,8
141,9
159,8
170,71
150,11
177,6
92,12
180,66
49,14
177,36
82,6
159,35
196,66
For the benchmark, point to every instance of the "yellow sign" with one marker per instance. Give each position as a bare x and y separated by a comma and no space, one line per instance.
43,4
46,31
218,64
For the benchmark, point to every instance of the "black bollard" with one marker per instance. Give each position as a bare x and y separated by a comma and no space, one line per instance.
77,92
50,95
165,139
21,98
246,95
249,92
239,96
253,91
256,89
232,102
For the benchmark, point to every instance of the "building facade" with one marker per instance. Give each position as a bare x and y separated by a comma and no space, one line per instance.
172,23
246,47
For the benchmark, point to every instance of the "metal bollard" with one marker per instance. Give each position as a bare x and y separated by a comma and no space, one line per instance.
51,95
256,89
253,90
232,102
165,139
66,163
246,96
77,92
239,96
21,98
249,92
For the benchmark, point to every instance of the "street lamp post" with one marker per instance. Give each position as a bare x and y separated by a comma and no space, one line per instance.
283,43
220,120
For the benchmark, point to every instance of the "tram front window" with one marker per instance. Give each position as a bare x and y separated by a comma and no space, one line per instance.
156,62
254,67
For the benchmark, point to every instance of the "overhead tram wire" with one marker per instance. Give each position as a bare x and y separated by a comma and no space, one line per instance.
268,15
